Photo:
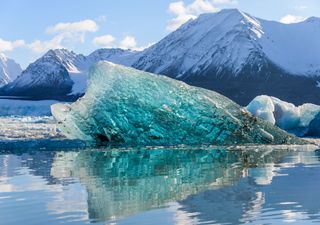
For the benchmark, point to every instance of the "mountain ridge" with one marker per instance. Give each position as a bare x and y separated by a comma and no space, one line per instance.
231,52
9,69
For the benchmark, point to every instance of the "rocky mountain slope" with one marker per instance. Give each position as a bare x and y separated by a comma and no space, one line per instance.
9,70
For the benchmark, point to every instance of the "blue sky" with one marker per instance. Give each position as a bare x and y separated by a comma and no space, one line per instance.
29,28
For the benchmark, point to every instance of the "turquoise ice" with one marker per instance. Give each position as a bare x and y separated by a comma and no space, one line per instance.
126,106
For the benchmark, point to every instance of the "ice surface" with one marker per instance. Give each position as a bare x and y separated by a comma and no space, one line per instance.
28,128
283,114
314,127
127,106
14,107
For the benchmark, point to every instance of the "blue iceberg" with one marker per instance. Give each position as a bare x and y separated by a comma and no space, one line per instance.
130,107
314,127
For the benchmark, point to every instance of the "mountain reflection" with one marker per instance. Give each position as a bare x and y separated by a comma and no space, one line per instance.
207,185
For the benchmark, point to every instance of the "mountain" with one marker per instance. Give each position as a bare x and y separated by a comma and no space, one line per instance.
46,78
231,52
9,70
115,55
241,56
62,74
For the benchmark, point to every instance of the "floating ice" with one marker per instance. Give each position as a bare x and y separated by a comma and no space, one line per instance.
127,106
27,128
314,126
283,114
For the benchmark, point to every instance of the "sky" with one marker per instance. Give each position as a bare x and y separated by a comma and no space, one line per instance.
30,28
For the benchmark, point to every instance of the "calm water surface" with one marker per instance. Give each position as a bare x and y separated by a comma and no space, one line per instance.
265,185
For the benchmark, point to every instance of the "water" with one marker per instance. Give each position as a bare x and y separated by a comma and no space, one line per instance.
256,185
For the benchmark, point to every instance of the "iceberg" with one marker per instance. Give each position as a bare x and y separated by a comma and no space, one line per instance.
314,127
285,115
126,106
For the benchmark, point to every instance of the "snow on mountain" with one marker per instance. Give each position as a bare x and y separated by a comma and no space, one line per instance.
45,78
9,70
232,39
61,72
220,39
70,60
294,47
115,55
231,52
241,56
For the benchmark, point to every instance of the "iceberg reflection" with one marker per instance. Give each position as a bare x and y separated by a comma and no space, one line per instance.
124,183
190,186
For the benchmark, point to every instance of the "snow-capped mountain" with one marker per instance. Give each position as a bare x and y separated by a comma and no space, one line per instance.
242,56
9,70
232,39
62,74
47,77
231,52
115,55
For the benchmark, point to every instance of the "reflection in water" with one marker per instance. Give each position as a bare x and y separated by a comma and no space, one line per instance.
286,190
193,186
124,183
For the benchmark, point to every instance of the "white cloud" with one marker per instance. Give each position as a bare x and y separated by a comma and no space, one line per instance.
6,46
178,8
104,41
291,19
65,34
128,42
77,27
183,12
42,46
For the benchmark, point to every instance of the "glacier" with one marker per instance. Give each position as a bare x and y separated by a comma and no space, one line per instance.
17,107
126,106
287,116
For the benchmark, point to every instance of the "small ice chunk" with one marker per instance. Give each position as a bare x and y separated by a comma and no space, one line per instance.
283,114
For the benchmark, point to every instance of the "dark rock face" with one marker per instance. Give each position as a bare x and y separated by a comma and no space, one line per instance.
243,88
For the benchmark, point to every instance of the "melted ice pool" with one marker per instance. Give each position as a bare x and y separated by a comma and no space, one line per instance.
161,186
